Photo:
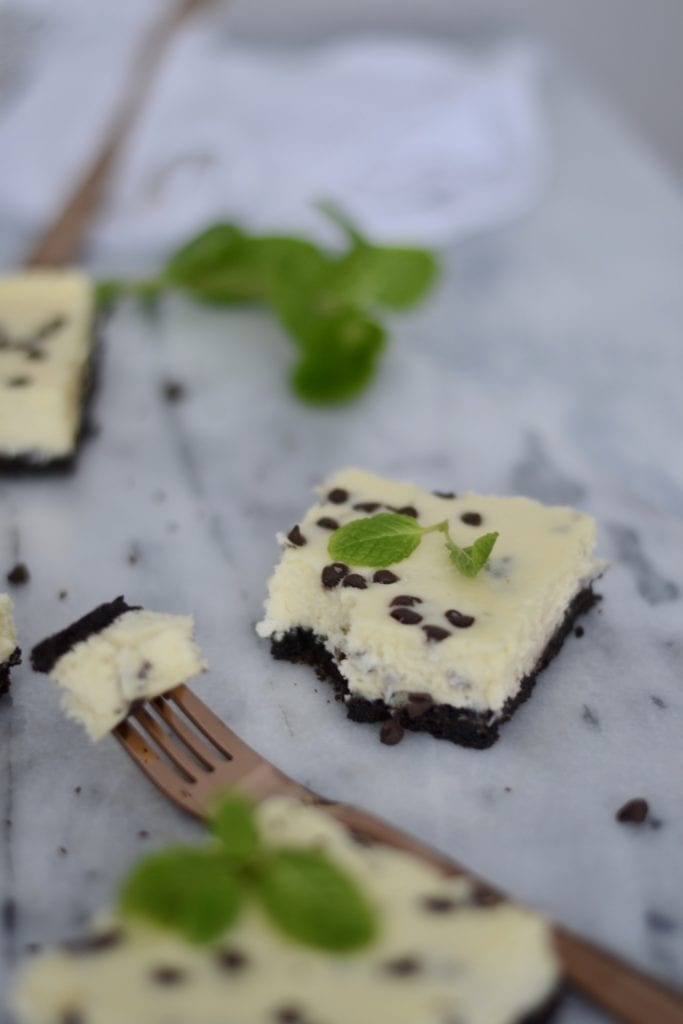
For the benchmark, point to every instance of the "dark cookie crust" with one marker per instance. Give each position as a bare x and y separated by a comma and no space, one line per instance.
14,659
459,725
48,652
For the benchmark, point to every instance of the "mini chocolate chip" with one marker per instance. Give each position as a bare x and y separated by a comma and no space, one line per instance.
35,353
449,495
418,704
168,975
231,960
406,616
18,382
63,850
173,391
327,523
338,496
403,966
354,579
63,594
145,669
438,904
333,574
457,618
391,733
435,633
19,574
385,576
96,943
471,518
77,790
578,631
49,327
484,896
296,536
634,812
367,506
143,833
405,599
289,1015
408,510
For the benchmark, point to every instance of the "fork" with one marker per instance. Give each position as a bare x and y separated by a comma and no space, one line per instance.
202,757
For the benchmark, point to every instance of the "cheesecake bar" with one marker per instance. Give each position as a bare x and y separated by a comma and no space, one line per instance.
10,654
443,953
46,329
115,656
417,642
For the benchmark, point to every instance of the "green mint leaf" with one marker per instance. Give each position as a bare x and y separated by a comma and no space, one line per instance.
338,355
470,560
376,541
315,902
233,822
381,276
192,890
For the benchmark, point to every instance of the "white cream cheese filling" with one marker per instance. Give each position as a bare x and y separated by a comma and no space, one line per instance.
469,963
543,558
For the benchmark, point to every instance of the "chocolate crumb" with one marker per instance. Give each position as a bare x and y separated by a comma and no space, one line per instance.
289,1015
367,506
168,975
385,576
333,574
173,391
338,496
77,790
418,704
143,833
63,594
327,523
18,575
231,960
458,619
484,896
354,579
71,1016
633,812
296,536
660,922
439,904
448,495
63,850
145,669
133,555
435,634
391,733
405,599
408,510
472,518
96,943
18,382
403,966
406,616
578,631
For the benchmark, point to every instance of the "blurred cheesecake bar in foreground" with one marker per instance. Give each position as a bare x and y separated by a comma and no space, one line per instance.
443,952
114,656
9,652
417,644
46,344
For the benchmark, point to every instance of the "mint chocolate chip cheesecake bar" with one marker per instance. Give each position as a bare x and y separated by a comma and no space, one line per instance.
10,654
452,607
115,656
46,344
441,951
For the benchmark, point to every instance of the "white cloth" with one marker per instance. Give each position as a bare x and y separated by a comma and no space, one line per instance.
416,140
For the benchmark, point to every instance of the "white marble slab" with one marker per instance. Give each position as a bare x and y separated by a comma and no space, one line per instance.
548,363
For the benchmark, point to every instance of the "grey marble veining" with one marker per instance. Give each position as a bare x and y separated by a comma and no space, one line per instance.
548,362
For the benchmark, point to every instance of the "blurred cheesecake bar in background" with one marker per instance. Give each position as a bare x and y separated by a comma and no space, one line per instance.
9,651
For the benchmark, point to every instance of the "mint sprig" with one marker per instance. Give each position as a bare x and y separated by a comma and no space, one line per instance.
384,539
199,891
327,301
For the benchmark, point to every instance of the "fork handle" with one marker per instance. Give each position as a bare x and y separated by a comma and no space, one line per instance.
611,983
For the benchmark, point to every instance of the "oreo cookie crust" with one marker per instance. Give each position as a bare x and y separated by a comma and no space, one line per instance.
416,641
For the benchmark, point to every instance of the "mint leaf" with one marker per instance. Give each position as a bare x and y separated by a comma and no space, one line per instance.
471,559
381,276
377,540
233,822
190,889
314,901
338,356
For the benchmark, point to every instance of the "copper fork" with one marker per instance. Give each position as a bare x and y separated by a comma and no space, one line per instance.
191,756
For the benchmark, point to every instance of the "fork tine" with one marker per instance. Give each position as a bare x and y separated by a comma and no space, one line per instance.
167,743
208,756
210,724
160,773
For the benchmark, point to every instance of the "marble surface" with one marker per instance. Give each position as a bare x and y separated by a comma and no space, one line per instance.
548,363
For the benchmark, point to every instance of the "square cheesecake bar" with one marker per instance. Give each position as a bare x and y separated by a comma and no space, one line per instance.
46,344
115,656
417,643
10,654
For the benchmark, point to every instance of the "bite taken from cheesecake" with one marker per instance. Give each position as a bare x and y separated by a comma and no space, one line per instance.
436,639
115,656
